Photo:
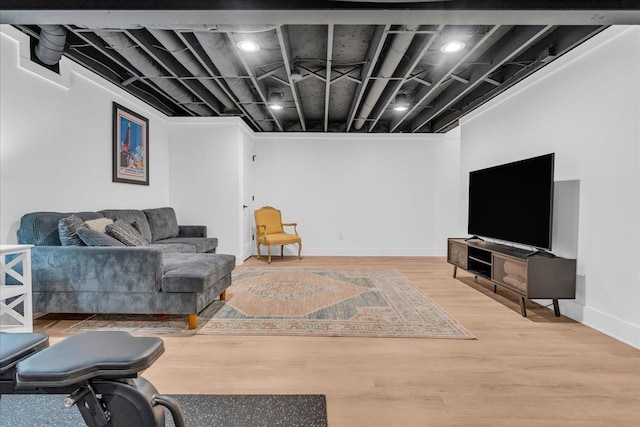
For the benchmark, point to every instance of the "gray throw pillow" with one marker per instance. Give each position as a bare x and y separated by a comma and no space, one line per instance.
67,229
125,232
163,223
95,238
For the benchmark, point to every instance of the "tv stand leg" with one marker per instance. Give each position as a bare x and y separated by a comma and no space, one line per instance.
495,288
556,307
455,271
523,307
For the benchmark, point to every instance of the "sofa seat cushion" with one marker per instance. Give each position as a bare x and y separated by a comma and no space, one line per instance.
202,244
175,248
195,272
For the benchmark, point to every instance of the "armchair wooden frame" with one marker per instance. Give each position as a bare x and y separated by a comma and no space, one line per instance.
270,231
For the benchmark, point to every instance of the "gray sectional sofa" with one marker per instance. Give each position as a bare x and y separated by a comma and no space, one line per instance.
175,271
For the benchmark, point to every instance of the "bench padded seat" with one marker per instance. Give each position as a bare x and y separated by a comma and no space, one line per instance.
15,346
103,354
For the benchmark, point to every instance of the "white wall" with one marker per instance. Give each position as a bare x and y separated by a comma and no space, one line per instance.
362,194
55,140
350,194
205,177
585,107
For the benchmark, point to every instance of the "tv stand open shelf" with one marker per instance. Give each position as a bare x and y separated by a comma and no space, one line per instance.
531,277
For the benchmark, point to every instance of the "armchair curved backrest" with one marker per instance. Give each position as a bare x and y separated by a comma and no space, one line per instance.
271,218
270,231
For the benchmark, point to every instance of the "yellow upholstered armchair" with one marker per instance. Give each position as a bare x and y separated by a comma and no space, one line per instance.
270,230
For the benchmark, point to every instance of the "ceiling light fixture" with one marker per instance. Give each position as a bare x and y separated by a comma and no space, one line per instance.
452,46
401,103
248,45
296,75
275,100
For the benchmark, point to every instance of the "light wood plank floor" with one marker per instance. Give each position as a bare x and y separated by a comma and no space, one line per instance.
535,371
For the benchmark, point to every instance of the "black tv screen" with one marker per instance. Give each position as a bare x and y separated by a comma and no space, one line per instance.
513,202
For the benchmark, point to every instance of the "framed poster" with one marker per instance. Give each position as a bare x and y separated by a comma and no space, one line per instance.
130,146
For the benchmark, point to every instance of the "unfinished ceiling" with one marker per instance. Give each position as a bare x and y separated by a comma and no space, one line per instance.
328,72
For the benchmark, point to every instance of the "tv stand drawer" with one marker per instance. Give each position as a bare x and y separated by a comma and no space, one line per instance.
510,272
457,254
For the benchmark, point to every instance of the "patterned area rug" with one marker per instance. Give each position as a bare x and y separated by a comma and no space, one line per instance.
307,302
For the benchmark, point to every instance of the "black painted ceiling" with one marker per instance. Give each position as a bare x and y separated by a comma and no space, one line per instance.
336,66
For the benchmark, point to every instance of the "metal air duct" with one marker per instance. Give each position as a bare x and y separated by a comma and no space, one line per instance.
51,45
147,67
389,64
174,46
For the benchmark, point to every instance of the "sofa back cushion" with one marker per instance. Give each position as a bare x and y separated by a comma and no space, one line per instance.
41,228
163,223
131,216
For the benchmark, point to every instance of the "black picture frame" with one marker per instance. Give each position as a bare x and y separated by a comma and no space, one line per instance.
130,146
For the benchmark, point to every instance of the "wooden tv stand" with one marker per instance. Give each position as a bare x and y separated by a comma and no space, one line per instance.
531,277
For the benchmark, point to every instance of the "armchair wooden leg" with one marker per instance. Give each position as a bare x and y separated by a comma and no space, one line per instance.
269,253
193,320
223,295
300,250
258,249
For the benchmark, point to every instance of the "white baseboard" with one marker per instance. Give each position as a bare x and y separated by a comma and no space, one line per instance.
619,329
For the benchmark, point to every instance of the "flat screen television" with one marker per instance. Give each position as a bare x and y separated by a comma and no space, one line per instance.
513,202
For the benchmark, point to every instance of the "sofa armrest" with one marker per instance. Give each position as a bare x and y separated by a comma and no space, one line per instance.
96,269
192,231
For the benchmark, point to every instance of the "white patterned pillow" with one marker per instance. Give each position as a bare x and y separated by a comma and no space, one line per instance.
98,224
124,231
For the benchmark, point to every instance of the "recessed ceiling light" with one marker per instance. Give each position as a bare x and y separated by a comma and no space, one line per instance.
452,46
248,45
401,102
275,100
296,75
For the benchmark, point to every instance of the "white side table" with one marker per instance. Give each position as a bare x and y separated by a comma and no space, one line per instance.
10,319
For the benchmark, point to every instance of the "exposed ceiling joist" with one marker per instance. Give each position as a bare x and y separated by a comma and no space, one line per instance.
327,92
285,48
